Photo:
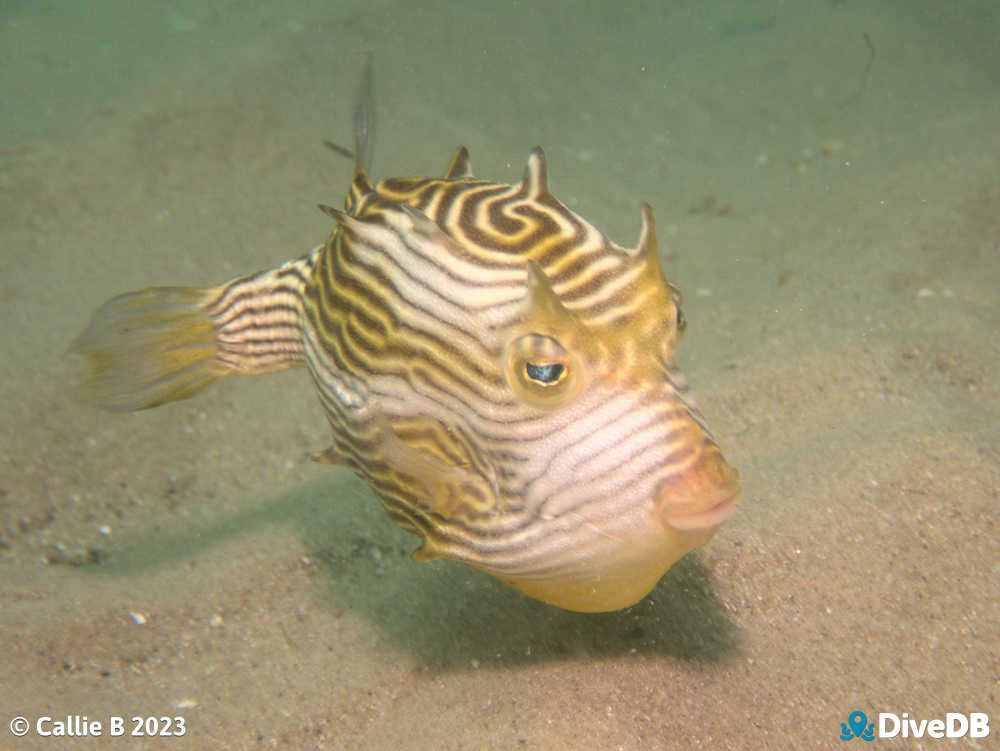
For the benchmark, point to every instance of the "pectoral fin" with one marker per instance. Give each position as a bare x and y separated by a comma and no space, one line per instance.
441,492
443,488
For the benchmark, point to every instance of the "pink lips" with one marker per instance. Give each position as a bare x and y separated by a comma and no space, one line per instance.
707,518
702,496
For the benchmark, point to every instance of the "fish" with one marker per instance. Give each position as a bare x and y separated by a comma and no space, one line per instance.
497,371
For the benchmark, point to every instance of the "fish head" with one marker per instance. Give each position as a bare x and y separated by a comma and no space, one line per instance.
616,464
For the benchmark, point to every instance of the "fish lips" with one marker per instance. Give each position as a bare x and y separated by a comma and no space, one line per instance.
709,518
700,498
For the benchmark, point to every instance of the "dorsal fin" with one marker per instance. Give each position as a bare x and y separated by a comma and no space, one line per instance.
536,175
364,119
460,165
364,139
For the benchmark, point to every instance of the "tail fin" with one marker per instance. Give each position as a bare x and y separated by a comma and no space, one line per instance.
161,344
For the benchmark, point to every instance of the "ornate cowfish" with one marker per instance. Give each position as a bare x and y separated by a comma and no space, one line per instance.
497,370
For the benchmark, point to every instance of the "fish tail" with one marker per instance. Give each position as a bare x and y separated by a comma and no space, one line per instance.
162,344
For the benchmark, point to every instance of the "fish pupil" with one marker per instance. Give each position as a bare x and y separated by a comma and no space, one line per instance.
545,374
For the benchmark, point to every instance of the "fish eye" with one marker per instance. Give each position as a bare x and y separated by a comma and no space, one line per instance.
547,374
541,371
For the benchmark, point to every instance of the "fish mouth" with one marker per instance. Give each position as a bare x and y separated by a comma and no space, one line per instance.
701,497
704,518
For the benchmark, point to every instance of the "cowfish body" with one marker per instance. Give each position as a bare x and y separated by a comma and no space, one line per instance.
497,371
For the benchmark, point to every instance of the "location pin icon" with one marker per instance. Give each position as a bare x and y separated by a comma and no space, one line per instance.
857,721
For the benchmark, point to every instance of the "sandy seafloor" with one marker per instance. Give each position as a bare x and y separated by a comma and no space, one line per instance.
839,251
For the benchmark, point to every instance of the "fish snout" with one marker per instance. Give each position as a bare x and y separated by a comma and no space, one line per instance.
698,499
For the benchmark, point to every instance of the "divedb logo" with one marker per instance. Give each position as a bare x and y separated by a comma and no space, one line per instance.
953,725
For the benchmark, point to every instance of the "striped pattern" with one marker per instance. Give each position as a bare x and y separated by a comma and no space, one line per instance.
258,318
407,319
498,371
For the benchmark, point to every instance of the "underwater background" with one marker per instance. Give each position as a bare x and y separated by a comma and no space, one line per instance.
826,185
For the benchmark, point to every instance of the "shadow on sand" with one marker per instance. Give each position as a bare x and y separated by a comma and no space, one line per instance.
448,614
